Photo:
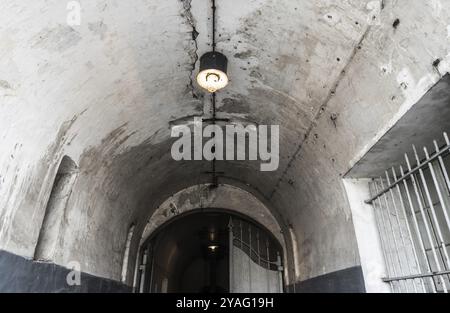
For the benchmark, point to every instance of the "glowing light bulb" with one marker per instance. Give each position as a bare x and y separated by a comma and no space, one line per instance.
212,79
213,248
213,71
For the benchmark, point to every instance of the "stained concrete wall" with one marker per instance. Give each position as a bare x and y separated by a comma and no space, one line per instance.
222,197
107,91
390,69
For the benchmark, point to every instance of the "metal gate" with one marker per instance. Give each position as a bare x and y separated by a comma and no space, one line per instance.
254,260
412,210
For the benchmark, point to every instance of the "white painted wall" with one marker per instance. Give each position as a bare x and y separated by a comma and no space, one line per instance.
367,236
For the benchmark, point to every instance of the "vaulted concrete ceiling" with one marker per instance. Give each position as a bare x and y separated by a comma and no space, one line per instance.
113,85
107,92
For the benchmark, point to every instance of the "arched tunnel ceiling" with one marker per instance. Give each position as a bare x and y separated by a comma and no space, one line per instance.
114,84
106,93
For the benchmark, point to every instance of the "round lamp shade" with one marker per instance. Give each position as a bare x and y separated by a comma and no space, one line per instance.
213,71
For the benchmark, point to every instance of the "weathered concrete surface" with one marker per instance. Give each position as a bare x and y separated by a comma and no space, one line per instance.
432,111
224,197
390,71
104,93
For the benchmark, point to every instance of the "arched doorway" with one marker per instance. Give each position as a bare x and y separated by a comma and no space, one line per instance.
210,251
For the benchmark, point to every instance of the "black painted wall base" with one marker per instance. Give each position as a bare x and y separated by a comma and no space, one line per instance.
18,274
350,280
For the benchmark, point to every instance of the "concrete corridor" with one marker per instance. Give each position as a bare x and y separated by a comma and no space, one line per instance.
92,91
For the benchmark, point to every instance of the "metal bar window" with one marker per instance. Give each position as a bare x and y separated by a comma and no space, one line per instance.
412,210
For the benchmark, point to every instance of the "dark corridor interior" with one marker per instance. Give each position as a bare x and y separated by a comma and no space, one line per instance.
190,255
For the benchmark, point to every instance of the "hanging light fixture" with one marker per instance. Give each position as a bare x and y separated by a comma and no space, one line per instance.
213,71
213,65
